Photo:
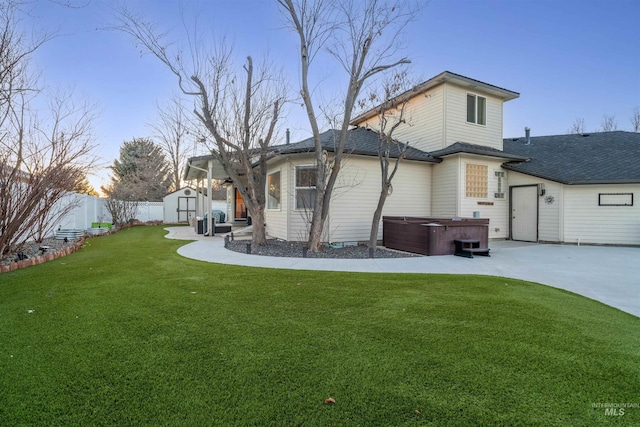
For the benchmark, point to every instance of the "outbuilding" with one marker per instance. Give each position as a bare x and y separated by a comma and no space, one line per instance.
180,206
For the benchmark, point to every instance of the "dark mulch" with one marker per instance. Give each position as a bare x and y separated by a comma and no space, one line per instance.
282,248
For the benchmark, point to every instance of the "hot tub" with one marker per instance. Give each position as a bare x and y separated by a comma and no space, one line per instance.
432,236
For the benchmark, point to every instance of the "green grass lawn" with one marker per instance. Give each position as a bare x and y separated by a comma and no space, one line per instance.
127,332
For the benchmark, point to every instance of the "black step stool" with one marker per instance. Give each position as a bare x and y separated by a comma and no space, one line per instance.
467,247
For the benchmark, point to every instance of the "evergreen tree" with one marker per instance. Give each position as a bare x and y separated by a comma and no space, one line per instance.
142,172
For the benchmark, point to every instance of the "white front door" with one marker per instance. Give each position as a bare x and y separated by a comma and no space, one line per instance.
524,213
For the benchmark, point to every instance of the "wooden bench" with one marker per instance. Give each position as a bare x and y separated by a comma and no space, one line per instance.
468,247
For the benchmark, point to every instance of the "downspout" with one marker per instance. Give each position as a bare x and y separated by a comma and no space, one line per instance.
459,187
199,201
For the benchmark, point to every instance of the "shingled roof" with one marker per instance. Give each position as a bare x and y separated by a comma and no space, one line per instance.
361,141
595,158
463,147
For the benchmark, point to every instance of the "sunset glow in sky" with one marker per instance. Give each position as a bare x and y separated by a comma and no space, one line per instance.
567,59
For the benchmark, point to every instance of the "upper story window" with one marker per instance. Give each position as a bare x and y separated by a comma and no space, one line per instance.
273,191
305,187
476,109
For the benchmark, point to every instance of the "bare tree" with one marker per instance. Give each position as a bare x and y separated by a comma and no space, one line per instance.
577,126
237,107
54,155
119,204
635,120
43,156
391,115
171,130
609,123
361,36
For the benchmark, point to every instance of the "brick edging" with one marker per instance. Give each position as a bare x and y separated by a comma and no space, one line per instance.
77,245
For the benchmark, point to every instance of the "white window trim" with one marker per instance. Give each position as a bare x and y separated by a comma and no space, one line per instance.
475,95
295,185
268,175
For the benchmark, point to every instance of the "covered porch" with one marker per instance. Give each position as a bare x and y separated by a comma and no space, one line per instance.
203,170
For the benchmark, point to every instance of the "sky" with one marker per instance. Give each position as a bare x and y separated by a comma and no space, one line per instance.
568,59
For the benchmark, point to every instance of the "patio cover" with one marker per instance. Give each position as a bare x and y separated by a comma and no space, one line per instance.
198,167
201,168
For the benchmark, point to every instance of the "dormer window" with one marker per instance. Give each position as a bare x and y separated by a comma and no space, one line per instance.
476,109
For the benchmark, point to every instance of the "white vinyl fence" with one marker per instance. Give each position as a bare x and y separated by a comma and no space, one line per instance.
88,209
150,211
94,209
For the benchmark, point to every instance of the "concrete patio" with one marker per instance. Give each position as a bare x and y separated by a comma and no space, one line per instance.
610,275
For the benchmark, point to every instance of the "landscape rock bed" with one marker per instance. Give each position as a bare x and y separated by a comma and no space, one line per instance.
280,248
34,256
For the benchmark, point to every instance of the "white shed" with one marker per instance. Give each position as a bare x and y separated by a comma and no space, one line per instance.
185,204
180,206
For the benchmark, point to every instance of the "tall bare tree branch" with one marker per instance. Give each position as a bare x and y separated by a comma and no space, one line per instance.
238,108
171,131
361,36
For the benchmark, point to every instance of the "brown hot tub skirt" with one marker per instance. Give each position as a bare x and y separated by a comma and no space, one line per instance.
432,236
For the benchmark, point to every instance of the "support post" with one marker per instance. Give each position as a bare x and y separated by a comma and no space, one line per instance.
210,222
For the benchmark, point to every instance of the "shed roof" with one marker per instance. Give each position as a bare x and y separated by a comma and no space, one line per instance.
594,158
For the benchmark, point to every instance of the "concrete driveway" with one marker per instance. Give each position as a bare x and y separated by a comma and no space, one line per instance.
610,275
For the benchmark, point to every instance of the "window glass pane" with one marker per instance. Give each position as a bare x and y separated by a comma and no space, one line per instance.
305,198
305,176
273,184
305,187
471,108
482,111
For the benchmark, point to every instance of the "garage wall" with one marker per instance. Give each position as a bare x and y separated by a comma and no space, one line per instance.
588,222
